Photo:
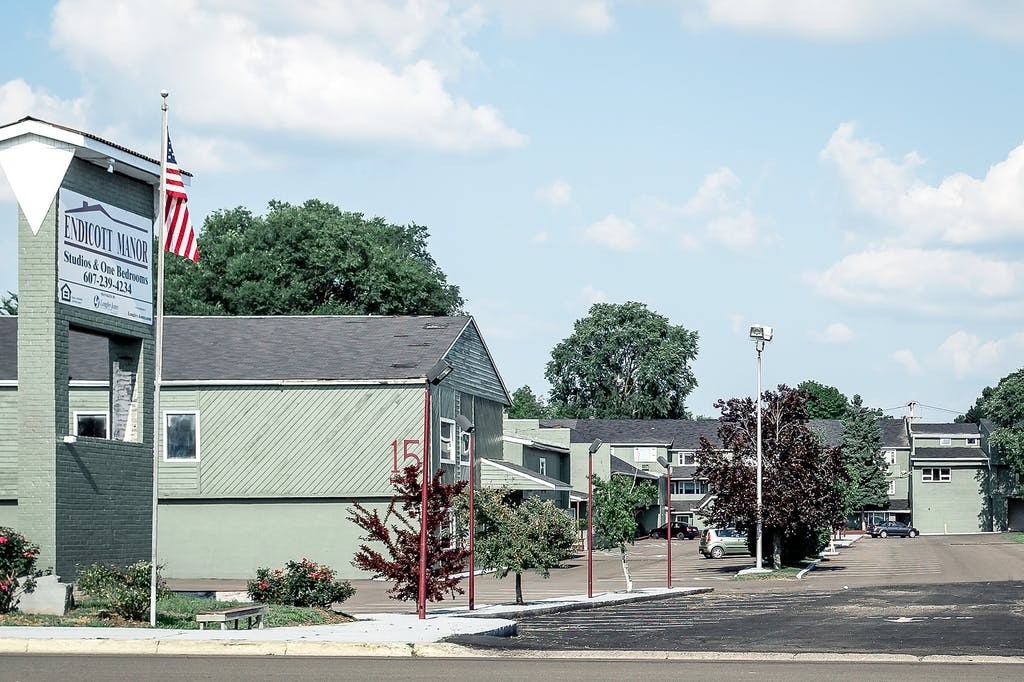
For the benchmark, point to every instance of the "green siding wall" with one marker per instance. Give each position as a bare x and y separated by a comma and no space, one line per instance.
473,372
292,441
8,442
231,539
9,513
957,506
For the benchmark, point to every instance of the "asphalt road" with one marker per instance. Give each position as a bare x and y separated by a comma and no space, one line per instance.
948,595
244,668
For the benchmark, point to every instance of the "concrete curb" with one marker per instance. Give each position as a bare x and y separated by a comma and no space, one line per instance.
559,606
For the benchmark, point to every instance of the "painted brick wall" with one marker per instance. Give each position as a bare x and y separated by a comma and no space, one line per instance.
89,501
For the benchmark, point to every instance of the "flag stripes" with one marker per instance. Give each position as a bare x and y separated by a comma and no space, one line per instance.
180,236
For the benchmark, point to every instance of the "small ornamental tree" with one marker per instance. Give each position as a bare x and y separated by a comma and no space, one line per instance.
17,566
616,504
398,534
803,478
514,538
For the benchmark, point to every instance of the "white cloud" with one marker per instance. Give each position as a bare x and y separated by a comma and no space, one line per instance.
592,295
541,237
837,332
959,210
557,194
19,99
713,193
926,281
905,359
585,16
970,356
352,73
613,232
854,20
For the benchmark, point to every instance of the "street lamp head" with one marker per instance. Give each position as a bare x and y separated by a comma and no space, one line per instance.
759,332
595,446
464,423
438,371
663,462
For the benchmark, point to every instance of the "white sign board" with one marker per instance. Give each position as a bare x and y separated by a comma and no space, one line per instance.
645,454
104,260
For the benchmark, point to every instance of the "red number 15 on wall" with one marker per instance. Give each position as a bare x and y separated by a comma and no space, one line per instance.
406,453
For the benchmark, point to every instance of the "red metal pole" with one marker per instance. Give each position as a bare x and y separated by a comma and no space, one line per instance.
472,524
590,526
421,597
668,514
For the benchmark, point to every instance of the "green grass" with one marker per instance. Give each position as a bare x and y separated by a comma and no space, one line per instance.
1017,537
177,611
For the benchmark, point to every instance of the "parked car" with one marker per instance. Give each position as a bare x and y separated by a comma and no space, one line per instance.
717,542
680,531
898,528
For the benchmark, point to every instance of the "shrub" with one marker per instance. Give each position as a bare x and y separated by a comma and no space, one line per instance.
126,590
299,583
17,566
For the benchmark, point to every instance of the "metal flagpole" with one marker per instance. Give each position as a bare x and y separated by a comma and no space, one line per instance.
158,349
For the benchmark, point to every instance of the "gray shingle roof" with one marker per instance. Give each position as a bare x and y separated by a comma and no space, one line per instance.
624,468
894,433
274,348
969,427
522,471
677,434
949,453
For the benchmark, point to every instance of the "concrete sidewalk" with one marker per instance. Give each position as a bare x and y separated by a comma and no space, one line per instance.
372,634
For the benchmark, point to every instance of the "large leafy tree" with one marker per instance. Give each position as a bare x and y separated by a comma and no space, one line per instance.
1005,407
862,457
976,412
617,502
623,361
309,259
395,555
803,478
533,535
823,402
527,405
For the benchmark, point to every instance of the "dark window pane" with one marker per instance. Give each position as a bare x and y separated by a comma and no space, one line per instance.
91,425
181,436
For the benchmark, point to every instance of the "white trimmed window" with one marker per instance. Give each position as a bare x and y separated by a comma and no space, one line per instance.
181,436
972,441
890,457
687,459
92,424
447,435
892,488
465,442
695,487
936,475
542,466
945,441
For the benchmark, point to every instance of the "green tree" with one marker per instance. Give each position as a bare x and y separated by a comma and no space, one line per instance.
9,303
527,405
976,412
1005,407
312,259
623,361
823,402
866,470
515,538
617,502
802,477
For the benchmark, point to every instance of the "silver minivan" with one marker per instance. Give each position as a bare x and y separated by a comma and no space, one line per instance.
717,542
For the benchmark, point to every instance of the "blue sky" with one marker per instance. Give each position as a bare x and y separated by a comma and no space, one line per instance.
847,172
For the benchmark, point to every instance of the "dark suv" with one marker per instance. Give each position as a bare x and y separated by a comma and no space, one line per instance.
680,531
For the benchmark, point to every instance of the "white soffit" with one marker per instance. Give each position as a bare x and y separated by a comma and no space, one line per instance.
35,167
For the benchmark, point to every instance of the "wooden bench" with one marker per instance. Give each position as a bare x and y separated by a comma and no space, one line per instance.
235,613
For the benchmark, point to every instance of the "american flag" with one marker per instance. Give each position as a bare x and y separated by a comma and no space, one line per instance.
181,237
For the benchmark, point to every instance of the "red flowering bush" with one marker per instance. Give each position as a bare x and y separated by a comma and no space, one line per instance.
17,566
299,583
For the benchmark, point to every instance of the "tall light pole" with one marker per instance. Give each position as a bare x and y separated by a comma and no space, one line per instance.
467,427
434,376
594,447
668,516
761,335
